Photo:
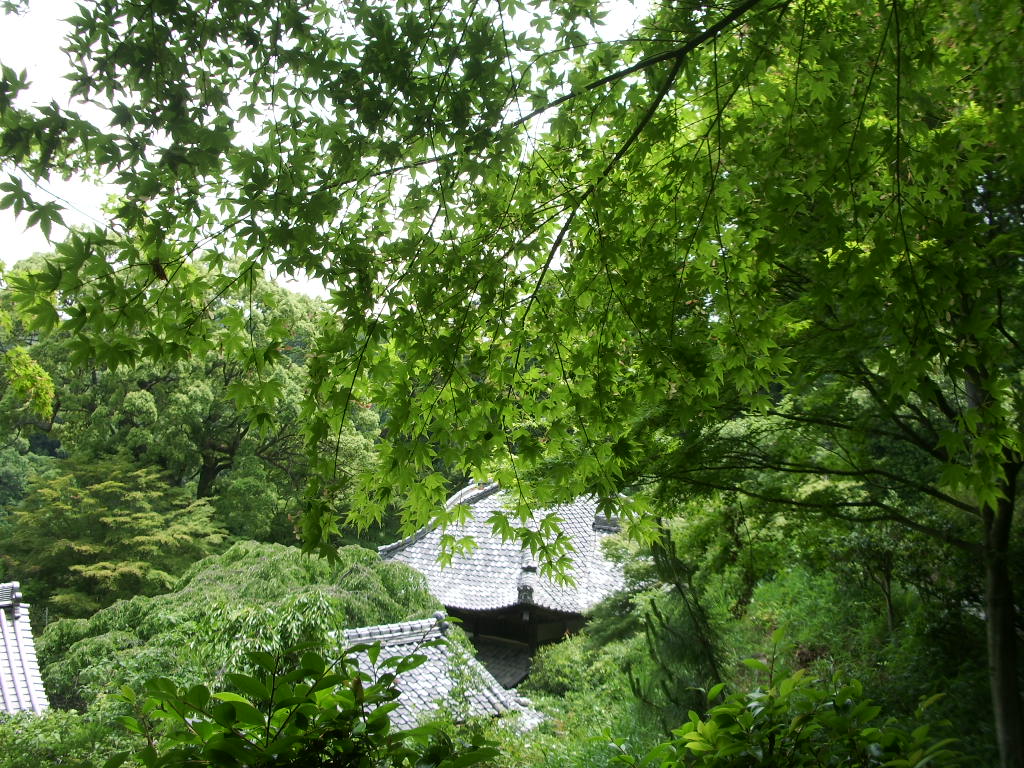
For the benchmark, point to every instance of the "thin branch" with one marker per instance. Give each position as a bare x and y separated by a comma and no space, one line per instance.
755,463
1001,326
678,56
679,53
833,508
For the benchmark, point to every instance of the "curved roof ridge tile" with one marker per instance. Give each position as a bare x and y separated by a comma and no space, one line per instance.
408,631
471,494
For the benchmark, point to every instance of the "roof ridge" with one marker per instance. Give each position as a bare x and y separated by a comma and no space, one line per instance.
417,629
471,494
21,687
10,594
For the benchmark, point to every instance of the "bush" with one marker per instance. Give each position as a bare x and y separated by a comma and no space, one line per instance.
56,738
309,714
584,691
797,722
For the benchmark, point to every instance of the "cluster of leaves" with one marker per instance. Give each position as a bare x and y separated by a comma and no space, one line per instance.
59,737
17,466
28,388
314,712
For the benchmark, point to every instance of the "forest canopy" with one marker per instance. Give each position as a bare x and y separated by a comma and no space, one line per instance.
764,249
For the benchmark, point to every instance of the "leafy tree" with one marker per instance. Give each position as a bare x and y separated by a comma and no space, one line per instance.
590,261
17,466
198,420
27,388
86,535
196,417
252,597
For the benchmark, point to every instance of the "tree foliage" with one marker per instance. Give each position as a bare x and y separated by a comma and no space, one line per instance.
205,421
318,711
197,417
28,389
252,597
86,535
797,721
737,251
17,466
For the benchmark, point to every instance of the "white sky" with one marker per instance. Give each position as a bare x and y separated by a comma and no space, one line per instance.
32,41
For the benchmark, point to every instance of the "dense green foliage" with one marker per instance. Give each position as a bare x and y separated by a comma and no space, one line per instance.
26,386
194,421
796,722
583,688
759,256
264,597
187,416
59,738
204,421
17,466
253,597
315,712
87,534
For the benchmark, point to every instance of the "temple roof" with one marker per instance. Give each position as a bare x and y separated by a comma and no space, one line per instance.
21,687
449,679
498,573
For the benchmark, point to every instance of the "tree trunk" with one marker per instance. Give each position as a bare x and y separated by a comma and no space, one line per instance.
885,584
1001,631
207,475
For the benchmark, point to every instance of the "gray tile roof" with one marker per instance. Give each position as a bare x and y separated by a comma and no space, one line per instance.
450,678
497,573
21,687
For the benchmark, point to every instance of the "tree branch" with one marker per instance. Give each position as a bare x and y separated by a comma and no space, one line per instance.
679,53
833,508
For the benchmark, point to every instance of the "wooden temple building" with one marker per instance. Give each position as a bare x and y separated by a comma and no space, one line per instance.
506,606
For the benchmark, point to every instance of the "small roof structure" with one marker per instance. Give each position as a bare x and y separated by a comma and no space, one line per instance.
21,687
450,677
497,573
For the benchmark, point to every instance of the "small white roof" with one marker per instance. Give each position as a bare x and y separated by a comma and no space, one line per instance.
450,677
21,687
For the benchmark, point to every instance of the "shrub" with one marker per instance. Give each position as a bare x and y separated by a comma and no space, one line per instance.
797,722
55,738
311,714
